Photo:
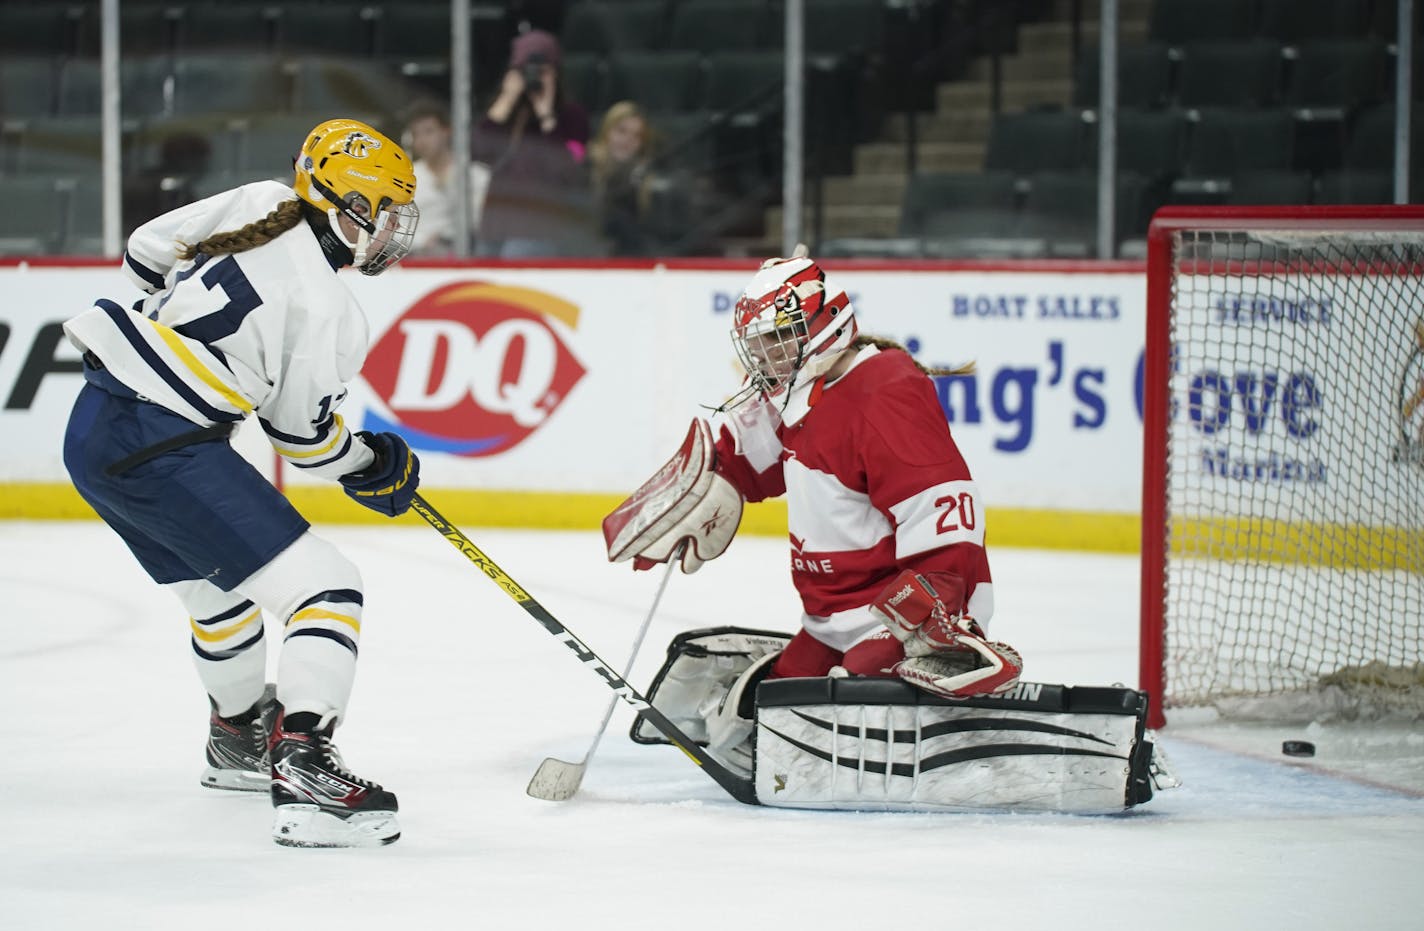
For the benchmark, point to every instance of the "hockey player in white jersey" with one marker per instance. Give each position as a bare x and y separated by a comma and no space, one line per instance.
245,315
886,523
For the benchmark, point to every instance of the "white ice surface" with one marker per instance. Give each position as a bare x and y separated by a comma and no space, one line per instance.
460,694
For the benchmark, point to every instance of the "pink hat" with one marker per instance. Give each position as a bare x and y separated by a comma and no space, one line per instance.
534,42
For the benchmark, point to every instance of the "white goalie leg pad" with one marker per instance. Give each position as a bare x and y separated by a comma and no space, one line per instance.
880,744
1164,774
701,668
685,500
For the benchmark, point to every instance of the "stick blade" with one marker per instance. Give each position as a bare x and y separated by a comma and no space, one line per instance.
556,780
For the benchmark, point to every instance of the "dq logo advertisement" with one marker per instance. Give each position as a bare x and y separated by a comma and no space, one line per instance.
473,368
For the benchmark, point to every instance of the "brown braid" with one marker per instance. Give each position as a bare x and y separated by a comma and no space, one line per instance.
287,215
880,342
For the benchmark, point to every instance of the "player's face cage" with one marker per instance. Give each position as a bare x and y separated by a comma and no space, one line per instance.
770,338
381,242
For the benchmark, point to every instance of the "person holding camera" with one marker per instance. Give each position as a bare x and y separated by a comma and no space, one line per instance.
531,98
534,140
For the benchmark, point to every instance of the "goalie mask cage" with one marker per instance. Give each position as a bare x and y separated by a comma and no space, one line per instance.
1283,470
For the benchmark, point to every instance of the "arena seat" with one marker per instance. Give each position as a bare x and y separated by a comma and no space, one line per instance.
956,205
1024,143
586,80
614,27
1355,187
1230,74
735,78
29,85
37,29
1338,73
312,28
1227,142
32,222
1178,22
1270,187
210,27
723,25
1144,76
1301,20
657,81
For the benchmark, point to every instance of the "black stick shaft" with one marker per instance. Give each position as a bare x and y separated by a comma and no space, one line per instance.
737,786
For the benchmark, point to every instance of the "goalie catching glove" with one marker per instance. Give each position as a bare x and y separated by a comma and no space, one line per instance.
684,500
945,654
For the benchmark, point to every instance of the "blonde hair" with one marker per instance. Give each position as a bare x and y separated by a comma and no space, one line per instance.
880,342
602,165
286,215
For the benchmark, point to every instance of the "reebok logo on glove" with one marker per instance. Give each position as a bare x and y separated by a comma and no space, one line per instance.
895,599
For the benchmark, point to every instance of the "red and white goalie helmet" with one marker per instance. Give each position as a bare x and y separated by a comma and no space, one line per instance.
791,324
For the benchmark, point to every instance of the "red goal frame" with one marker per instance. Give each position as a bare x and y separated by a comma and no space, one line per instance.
1166,223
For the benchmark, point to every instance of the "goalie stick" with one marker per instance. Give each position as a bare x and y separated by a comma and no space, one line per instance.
739,787
558,780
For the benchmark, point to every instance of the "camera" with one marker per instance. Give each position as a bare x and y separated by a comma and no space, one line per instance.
533,71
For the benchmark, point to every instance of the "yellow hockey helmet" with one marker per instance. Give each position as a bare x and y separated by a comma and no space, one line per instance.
347,168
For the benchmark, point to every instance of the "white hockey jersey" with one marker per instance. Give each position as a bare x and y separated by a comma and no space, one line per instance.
270,331
874,484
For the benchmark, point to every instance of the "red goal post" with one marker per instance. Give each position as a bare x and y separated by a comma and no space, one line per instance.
1283,461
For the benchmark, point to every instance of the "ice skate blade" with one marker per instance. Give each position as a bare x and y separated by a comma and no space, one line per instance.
309,826
236,780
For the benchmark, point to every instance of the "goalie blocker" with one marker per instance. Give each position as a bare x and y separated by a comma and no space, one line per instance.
880,744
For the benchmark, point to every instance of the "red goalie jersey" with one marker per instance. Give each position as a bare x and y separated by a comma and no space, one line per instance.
874,485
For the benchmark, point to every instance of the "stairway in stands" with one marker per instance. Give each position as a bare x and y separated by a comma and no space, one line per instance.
952,138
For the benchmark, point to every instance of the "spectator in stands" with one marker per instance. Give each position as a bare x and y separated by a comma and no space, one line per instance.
619,162
427,138
531,103
534,138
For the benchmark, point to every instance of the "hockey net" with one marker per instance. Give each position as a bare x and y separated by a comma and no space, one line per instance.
1283,492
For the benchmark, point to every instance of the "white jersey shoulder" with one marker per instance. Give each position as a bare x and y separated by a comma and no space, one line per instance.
152,251
271,330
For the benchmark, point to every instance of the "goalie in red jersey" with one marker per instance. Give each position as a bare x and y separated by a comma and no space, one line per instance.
885,521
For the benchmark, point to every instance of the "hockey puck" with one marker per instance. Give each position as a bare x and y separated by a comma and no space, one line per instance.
1298,748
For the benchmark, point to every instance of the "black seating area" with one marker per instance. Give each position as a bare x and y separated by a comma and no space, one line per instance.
708,72
1224,102
1278,90
238,115
1220,101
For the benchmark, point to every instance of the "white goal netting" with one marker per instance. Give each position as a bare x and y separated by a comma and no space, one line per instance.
1294,493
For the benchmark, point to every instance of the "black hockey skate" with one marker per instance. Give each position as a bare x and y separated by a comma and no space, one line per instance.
318,802
237,749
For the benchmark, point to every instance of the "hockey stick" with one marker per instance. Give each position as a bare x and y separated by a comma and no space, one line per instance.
558,780
736,785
